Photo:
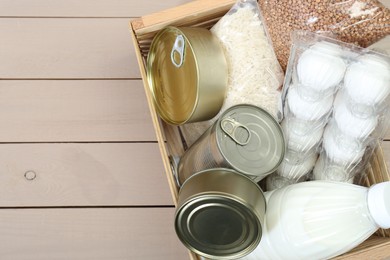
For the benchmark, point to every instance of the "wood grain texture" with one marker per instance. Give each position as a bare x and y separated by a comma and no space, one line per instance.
66,48
82,175
383,44
84,234
386,152
375,248
85,8
68,110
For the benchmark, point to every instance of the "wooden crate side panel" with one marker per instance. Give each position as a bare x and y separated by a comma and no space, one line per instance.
156,122
200,10
376,248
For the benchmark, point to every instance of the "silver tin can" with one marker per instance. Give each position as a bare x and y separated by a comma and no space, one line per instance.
245,138
220,214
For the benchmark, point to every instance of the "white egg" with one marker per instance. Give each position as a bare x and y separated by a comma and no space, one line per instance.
325,170
307,110
357,109
321,67
295,171
300,140
344,151
351,125
367,80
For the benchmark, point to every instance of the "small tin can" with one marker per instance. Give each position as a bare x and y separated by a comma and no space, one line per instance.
245,138
220,214
187,74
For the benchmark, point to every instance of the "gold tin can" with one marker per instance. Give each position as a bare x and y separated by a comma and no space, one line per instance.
220,214
187,74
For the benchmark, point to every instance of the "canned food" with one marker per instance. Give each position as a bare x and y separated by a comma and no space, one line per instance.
187,74
220,214
245,138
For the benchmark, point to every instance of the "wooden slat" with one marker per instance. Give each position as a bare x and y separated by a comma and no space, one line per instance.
383,44
82,175
85,8
66,48
84,234
375,248
67,110
386,152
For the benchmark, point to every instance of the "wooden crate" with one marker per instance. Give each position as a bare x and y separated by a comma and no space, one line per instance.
205,13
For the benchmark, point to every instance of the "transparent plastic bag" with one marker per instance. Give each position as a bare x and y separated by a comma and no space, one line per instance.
361,22
255,76
295,169
274,181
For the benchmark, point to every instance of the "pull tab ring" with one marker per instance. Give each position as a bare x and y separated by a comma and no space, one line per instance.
231,128
178,50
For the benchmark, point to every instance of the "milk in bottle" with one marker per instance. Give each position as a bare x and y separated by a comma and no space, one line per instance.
320,219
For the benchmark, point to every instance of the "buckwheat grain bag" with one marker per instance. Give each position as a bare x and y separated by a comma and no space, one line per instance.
361,22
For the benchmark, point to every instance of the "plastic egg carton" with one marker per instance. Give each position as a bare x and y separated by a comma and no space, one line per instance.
275,181
341,91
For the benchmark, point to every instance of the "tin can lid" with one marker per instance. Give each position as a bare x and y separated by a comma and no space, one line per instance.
172,76
251,140
214,219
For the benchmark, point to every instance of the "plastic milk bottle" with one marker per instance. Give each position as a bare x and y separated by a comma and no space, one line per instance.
320,219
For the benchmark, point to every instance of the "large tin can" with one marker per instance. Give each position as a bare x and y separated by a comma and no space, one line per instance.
220,214
187,74
245,138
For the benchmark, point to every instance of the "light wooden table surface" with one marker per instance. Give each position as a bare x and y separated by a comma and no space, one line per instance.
80,172
81,176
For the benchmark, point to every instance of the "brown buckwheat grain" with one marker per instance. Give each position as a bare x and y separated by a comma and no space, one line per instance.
361,22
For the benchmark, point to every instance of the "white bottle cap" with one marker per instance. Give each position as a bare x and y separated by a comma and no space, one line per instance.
379,203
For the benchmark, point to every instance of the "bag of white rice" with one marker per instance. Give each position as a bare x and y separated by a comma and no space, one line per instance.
255,76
